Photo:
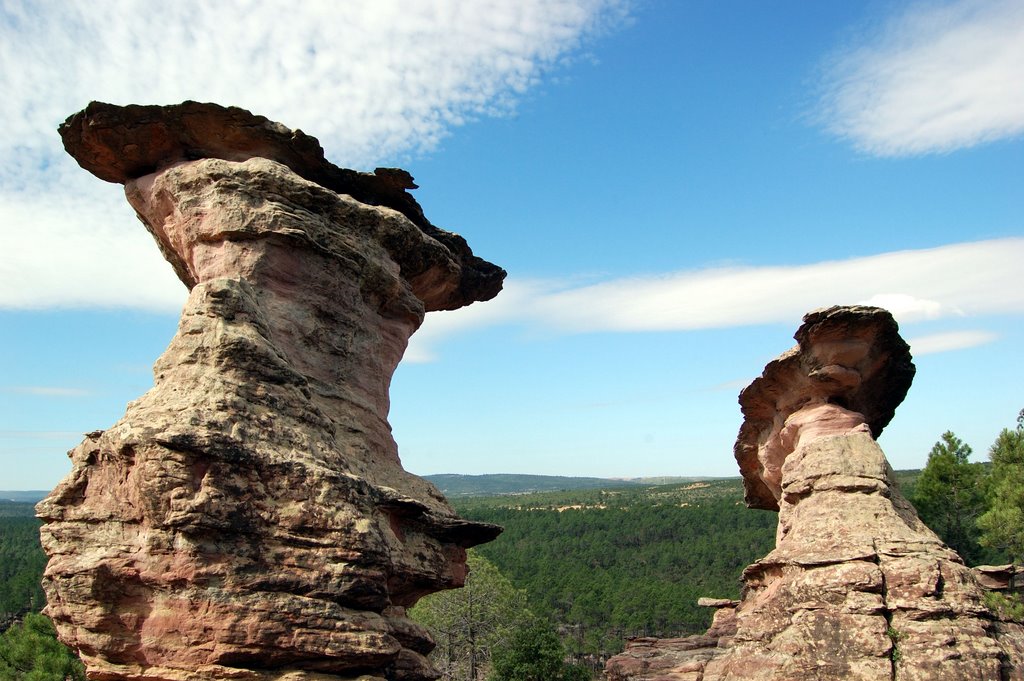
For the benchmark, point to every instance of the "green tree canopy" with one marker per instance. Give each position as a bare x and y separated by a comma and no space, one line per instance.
21,566
30,651
1002,526
610,564
468,623
534,653
949,496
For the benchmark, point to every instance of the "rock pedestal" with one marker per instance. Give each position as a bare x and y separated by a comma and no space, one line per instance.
857,586
248,518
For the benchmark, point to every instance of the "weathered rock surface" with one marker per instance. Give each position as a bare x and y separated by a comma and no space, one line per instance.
857,587
675,659
999,577
249,518
122,143
849,370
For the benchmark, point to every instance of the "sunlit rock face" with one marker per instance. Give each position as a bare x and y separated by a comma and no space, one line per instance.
856,587
249,517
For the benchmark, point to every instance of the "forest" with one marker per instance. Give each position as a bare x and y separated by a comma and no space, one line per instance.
21,561
29,650
608,564
455,485
577,571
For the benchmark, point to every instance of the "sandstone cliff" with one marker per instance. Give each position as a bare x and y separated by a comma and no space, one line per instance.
857,587
248,517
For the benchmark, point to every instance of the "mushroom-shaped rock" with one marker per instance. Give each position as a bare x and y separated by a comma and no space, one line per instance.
857,587
123,143
849,370
249,518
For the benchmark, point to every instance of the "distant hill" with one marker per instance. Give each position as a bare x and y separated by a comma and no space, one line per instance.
690,492
511,483
496,484
676,479
30,496
906,479
17,509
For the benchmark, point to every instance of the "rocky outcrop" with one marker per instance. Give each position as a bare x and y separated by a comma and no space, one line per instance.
857,587
999,577
675,659
849,371
249,518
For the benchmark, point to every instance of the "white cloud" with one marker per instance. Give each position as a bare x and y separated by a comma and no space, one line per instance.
516,297
81,250
959,280
971,278
948,341
372,79
935,78
905,307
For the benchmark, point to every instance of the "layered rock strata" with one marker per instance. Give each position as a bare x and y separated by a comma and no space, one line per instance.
249,518
675,659
857,587
999,577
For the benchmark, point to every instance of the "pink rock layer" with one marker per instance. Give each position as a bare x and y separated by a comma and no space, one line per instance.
248,517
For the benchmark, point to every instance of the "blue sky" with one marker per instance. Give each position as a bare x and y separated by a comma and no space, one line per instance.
669,184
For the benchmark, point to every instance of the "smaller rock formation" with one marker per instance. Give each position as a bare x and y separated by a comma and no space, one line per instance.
849,371
857,586
249,518
675,659
999,577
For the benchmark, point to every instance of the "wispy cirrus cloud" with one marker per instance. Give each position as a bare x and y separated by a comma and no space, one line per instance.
958,280
372,79
949,341
934,78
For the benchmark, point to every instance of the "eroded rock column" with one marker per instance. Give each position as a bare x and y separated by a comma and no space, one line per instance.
857,586
249,517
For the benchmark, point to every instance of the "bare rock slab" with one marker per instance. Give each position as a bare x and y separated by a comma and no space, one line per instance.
249,518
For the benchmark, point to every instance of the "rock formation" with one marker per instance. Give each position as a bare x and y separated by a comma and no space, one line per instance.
248,518
857,587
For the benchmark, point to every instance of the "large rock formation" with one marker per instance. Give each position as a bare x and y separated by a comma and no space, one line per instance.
248,518
857,587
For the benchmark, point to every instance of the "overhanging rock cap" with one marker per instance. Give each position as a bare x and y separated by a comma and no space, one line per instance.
121,143
850,356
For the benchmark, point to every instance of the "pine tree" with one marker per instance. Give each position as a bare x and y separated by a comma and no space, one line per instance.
949,496
30,651
1002,526
468,623
535,653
